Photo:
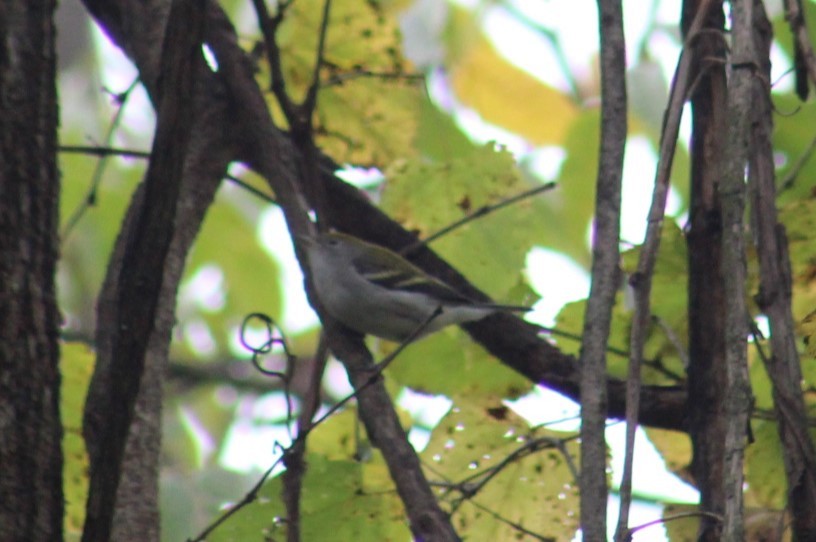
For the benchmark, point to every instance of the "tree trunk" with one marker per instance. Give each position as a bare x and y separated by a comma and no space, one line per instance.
30,428
706,372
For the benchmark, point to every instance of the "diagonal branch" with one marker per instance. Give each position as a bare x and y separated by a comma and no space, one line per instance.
641,281
427,519
516,343
147,248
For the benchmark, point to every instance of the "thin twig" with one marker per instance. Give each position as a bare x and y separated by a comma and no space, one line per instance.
468,488
480,212
674,517
103,151
269,26
641,281
380,367
789,180
130,153
654,364
801,35
310,102
675,341
307,429
249,498
96,179
360,73
514,525
294,462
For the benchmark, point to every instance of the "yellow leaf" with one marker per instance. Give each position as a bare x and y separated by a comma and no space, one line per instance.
369,95
511,98
76,366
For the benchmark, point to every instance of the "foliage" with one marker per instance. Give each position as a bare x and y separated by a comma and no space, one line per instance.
77,365
373,111
368,89
342,500
538,491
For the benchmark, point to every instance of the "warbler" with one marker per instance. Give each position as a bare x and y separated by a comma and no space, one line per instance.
375,291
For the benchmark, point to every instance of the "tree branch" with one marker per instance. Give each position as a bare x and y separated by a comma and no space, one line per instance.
605,270
147,248
774,299
737,392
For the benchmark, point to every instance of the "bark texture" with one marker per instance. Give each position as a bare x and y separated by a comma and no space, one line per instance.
706,372
30,428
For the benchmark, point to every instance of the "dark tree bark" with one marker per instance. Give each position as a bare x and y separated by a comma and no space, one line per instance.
136,516
31,499
737,396
774,299
706,372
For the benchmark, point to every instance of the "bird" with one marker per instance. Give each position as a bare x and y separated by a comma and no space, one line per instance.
375,291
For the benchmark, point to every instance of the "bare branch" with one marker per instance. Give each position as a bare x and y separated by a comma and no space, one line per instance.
113,151
90,198
478,213
737,393
147,249
605,270
774,299
802,45
641,281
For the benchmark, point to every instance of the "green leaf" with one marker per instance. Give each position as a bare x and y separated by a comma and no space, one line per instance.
490,251
339,502
760,383
799,219
662,364
808,326
792,136
675,449
369,99
685,527
537,490
336,438
669,294
450,363
662,361
227,243
438,137
369,121
76,366
764,469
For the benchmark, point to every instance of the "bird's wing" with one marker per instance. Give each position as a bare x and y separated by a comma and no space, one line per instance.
403,275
